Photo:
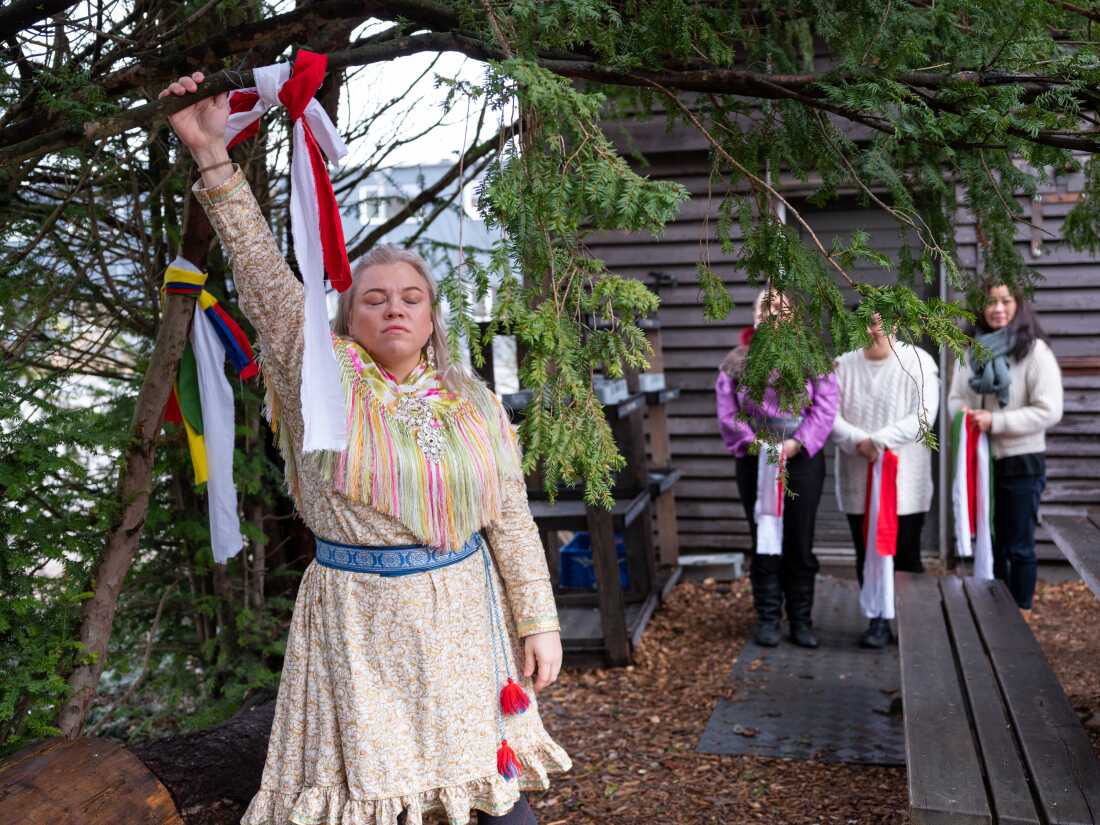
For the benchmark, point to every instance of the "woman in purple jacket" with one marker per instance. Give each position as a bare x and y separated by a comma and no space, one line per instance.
790,574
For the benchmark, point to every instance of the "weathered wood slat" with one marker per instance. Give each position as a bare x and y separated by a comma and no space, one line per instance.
1063,768
1079,540
1007,778
945,775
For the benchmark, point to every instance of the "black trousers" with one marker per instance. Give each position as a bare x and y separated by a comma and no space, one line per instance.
806,478
1015,514
907,559
521,814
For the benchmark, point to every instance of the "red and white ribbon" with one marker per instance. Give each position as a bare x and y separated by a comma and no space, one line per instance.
970,495
315,222
768,510
880,537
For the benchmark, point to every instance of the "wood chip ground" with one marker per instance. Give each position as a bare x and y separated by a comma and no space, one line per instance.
632,733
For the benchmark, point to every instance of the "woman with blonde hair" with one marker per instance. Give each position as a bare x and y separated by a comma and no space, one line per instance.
428,608
783,566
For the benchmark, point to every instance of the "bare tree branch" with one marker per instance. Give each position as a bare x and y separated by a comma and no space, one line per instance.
472,155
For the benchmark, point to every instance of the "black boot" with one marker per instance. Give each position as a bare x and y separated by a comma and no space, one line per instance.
877,635
800,606
767,598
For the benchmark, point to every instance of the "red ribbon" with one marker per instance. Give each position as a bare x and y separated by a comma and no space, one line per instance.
886,526
243,102
306,77
973,433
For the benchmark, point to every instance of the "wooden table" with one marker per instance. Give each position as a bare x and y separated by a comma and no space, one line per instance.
1078,537
990,736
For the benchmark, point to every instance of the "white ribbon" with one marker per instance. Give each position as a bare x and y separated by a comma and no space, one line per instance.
768,510
981,549
321,390
216,400
876,597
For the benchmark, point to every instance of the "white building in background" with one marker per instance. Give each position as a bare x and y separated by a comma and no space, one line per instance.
384,194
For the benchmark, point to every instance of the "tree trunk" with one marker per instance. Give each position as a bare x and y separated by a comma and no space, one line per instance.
220,763
135,482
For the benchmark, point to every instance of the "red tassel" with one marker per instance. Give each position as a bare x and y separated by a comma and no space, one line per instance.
513,699
507,764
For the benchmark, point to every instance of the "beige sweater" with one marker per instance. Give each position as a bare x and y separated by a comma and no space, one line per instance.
1034,402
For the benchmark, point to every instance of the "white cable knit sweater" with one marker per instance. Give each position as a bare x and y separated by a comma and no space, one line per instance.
881,400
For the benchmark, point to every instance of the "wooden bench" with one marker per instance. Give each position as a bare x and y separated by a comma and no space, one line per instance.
1078,537
990,736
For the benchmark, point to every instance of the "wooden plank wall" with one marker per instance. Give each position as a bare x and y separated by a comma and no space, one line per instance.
710,515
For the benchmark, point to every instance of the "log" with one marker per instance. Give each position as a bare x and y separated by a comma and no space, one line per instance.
170,781
85,781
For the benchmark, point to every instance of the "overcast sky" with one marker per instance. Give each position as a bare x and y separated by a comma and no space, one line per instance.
374,85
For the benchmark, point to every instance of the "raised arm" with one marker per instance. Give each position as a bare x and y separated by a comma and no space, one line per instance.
270,295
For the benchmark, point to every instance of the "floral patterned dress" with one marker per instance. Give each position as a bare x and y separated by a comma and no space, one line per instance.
388,702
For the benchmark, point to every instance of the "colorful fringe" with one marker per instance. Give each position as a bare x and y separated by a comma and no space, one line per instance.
441,497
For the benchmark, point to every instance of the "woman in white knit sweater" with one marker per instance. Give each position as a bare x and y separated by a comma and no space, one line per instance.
1016,396
888,392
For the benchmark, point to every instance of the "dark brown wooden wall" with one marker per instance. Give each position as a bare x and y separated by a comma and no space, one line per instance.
1068,303
710,514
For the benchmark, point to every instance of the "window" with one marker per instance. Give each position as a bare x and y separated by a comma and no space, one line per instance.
374,206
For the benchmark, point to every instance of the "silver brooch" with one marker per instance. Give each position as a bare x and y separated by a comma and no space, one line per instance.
416,414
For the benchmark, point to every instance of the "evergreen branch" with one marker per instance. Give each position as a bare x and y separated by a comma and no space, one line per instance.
25,140
757,182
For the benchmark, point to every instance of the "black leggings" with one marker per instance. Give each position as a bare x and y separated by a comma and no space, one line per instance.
521,814
807,478
907,559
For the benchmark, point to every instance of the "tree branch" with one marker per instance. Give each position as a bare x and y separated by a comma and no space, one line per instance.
472,155
24,13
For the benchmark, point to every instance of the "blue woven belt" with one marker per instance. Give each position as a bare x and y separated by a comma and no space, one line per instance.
399,560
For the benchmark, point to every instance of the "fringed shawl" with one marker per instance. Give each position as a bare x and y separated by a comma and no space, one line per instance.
417,452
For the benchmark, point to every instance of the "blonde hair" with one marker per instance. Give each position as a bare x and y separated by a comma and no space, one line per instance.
455,376
734,362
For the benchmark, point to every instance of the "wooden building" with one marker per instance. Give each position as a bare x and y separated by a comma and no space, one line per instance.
709,512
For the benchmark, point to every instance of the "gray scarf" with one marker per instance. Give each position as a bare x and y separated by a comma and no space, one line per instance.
993,376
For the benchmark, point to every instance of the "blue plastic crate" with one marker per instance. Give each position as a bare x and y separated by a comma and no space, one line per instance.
576,569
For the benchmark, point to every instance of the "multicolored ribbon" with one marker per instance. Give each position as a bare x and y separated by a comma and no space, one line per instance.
972,502
880,537
202,402
768,510
315,223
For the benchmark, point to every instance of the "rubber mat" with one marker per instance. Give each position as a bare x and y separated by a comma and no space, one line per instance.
838,703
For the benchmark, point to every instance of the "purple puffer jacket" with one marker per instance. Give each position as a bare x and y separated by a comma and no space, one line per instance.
817,416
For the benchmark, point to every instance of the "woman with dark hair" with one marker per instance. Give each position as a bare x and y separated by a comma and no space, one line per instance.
1015,396
783,564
